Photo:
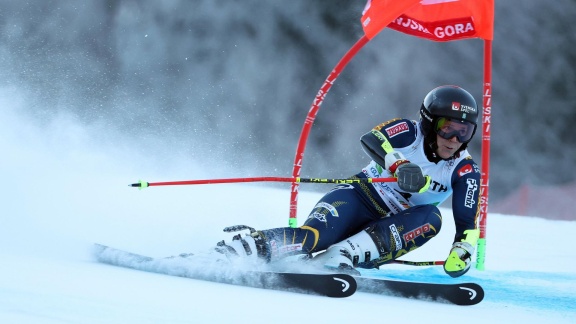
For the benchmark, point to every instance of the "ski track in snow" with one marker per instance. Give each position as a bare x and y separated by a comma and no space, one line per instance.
530,289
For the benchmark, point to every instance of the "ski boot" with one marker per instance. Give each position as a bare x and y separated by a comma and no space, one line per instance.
252,246
344,257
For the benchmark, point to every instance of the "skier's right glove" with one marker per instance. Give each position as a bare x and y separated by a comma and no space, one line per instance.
411,179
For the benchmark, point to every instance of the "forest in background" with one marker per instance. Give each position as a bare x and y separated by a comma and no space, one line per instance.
228,83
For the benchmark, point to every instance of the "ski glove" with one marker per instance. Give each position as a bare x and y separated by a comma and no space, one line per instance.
458,262
411,178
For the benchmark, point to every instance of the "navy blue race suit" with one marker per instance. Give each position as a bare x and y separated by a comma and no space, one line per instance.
399,221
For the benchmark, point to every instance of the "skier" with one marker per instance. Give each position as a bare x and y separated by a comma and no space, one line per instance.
370,224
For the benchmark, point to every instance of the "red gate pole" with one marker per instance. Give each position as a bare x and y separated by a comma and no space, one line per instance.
293,220
485,169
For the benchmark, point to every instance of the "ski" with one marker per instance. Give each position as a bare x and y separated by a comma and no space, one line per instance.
329,285
458,293
324,284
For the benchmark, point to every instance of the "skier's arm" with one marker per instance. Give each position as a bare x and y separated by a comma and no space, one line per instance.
466,189
379,144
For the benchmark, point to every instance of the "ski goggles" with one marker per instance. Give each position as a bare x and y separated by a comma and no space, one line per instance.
448,128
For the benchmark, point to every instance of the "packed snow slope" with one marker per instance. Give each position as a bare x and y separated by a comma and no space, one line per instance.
62,191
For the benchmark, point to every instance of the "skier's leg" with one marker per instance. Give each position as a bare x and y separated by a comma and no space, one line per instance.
385,240
339,214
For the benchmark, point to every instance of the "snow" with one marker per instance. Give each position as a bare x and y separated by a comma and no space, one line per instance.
63,190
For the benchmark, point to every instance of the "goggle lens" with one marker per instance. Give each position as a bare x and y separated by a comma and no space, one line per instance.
448,128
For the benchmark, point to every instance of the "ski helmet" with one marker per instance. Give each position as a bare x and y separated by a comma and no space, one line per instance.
448,102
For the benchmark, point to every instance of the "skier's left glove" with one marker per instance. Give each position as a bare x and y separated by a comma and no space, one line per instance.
458,262
460,258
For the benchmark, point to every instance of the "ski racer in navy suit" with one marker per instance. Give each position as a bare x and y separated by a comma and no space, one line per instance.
370,224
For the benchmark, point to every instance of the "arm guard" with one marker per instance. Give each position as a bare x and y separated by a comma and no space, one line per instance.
375,144
378,143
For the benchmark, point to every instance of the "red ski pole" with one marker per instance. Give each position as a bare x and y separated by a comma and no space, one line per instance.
144,184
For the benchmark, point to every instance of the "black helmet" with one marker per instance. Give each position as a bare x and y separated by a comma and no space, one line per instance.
450,102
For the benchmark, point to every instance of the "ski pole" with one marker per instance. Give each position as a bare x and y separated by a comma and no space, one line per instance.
143,184
419,263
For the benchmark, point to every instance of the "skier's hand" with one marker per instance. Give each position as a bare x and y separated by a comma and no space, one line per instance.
411,178
458,262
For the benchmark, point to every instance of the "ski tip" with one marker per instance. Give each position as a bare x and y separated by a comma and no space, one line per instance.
99,249
472,294
348,285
